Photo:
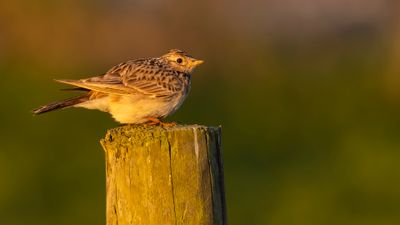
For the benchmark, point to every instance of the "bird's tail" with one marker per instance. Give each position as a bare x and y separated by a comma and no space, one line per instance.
61,104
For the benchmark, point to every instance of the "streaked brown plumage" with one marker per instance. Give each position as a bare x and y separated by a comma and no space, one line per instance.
135,91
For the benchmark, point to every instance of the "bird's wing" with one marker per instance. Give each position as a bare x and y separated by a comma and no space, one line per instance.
149,77
137,76
110,82
154,83
100,84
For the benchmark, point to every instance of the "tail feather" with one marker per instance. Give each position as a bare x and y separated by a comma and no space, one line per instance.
61,104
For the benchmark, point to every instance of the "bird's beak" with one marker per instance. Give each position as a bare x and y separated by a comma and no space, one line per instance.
197,62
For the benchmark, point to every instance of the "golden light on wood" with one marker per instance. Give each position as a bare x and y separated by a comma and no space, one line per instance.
164,175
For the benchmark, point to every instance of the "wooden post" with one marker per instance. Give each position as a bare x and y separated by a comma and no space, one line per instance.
164,175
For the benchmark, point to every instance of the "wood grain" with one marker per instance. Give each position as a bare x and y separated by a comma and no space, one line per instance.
164,175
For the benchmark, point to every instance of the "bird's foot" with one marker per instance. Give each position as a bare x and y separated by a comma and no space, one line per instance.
168,124
154,121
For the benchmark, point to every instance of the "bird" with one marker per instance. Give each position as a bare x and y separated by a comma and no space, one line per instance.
138,91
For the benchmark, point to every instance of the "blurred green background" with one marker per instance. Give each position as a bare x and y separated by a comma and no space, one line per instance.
307,92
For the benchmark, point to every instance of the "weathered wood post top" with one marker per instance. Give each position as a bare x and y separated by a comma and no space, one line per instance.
164,175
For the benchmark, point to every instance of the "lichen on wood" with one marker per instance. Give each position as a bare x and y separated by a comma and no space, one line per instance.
164,175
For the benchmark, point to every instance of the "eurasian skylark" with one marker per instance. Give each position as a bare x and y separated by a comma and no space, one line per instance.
136,91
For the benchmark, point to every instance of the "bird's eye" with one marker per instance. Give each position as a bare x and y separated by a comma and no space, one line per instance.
179,60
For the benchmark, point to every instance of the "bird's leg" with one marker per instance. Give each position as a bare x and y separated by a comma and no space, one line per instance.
155,121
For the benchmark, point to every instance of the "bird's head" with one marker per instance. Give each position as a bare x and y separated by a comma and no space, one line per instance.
181,61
